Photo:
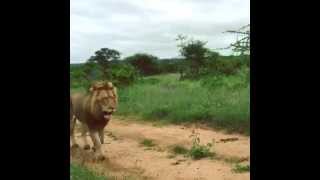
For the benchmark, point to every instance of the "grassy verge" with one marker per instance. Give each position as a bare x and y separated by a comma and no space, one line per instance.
147,143
196,152
241,168
81,173
221,102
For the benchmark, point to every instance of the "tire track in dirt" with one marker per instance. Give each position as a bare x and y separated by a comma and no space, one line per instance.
125,156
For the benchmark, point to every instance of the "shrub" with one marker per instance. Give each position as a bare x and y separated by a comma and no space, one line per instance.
199,151
146,64
81,173
178,149
222,66
147,142
123,74
219,101
241,168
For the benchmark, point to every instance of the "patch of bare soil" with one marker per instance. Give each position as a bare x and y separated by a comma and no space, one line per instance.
127,157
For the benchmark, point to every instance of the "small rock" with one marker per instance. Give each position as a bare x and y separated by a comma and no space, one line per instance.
175,163
229,139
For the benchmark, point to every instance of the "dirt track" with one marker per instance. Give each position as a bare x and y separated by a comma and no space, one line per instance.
126,157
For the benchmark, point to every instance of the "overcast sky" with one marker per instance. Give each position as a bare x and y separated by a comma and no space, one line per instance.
151,26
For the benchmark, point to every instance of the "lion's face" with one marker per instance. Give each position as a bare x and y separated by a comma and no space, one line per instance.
105,98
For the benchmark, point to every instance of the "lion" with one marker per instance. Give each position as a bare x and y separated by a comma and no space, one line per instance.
93,111
71,117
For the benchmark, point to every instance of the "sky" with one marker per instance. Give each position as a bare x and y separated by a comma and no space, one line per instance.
151,26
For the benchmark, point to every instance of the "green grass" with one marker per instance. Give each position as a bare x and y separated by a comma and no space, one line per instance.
147,143
241,168
178,149
222,102
196,152
233,160
78,89
199,152
81,173
170,156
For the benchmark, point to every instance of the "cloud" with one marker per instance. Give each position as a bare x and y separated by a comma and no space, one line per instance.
151,26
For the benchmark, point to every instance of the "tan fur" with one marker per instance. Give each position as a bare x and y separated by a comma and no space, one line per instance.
100,90
93,109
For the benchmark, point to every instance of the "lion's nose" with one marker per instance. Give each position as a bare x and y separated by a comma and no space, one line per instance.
109,111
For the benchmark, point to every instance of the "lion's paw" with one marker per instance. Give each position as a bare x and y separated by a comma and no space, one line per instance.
75,146
86,147
99,157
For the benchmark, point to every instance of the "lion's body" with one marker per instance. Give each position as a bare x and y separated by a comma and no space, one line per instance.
81,110
94,111
72,124
71,110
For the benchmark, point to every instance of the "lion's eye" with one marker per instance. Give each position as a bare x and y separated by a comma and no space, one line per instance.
104,99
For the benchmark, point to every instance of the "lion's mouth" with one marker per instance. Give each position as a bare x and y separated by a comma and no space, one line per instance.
107,115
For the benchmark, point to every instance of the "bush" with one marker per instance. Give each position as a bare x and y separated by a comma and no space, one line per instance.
81,173
146,64
241,168
222,66
147,142
123,74
178,149
199,151
220,101
151,81
168,65
239,80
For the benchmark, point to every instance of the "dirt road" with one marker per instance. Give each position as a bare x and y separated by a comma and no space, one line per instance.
127,157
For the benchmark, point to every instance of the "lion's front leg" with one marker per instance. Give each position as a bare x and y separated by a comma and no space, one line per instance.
72,127
97,145
84,130
101,135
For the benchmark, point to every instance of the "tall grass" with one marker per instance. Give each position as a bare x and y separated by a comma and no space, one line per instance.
78,172
220,101
81,173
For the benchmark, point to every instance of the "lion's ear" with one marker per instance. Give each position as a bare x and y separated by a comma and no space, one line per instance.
91,89
109,85
115,94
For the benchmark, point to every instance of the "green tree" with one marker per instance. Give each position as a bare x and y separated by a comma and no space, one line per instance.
103,57
123,74
146,64
88,71
241,45
194,52
168,65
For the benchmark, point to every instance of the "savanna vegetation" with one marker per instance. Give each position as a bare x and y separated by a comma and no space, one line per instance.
201,86
78,172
